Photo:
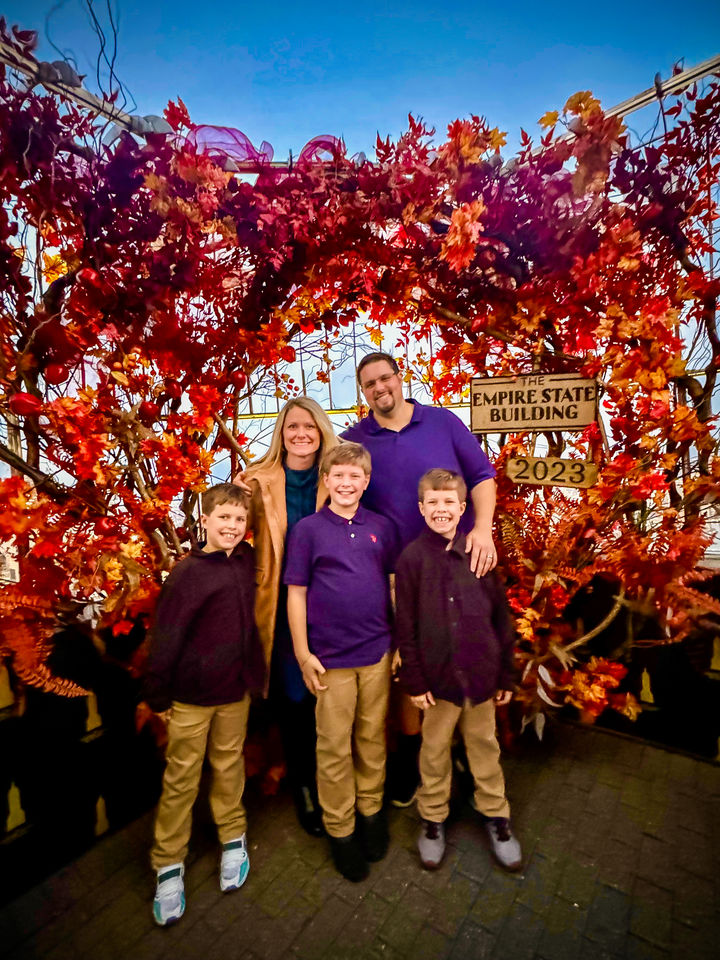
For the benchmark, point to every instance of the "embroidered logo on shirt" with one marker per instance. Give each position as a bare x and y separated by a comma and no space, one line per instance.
373,538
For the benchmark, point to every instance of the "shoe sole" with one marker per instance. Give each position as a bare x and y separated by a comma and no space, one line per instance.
431,864
166,923
510,867
377,858
170,921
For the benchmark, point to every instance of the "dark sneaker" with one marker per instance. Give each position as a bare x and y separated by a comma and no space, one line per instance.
403,777
234,864
503,842
308,811
169,902
431,844
348,858
373,835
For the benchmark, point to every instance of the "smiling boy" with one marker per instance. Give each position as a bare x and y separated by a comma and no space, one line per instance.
205,659
454,637
338,565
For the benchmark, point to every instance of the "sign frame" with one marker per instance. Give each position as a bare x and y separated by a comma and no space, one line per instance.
533,403
557,472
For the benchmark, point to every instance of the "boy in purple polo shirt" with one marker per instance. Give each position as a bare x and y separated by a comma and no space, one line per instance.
337,573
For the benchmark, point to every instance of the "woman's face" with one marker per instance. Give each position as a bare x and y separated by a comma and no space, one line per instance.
301,437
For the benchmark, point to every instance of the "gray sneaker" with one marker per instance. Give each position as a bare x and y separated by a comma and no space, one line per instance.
431,844
503,843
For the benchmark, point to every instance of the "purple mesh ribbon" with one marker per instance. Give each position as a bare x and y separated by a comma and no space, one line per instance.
222,143
322,148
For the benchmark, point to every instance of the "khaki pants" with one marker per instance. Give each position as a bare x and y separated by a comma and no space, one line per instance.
351,745
191,730
477,727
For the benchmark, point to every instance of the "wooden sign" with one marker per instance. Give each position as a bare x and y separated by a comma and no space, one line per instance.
552,471
539,401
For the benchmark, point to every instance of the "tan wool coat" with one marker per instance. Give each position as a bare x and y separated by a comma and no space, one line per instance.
267,519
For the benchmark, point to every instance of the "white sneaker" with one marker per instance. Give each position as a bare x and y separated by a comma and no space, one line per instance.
169,902
234,865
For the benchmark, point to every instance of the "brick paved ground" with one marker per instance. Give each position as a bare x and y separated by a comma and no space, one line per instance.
621,843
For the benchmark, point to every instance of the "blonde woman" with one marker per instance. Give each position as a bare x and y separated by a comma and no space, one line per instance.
285,487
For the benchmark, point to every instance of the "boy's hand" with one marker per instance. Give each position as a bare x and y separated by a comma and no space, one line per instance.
423,701
396,663
312,670
502,698
143,715
481,548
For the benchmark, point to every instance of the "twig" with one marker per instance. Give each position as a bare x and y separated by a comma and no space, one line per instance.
586,637
230,438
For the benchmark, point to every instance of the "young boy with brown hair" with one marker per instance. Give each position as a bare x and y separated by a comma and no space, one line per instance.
456,645
337,572
205,659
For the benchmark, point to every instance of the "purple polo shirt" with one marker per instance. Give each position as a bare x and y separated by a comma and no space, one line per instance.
433,438
345,566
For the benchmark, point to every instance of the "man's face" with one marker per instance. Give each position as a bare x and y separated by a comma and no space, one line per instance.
346,483
382,388
225,527
442,510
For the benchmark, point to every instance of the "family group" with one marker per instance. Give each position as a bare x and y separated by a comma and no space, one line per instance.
372,556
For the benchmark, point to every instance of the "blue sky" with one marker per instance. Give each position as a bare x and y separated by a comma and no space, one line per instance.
285,72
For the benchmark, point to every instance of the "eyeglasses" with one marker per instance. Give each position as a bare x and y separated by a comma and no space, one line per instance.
383,381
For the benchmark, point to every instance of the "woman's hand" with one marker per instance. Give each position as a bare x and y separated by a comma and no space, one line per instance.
502,698
239,481
312,670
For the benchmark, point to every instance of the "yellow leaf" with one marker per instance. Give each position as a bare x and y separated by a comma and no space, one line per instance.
497,138
549,119
53,267
582,103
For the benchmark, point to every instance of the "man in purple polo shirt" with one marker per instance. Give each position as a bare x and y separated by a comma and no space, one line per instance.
405,440
337,572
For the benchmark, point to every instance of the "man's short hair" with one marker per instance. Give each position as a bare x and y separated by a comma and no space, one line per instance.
346,453
439,479
375,358
223,493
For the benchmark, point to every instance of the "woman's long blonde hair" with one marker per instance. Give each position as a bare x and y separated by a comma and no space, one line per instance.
276,450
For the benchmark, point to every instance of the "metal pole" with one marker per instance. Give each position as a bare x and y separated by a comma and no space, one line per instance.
38,72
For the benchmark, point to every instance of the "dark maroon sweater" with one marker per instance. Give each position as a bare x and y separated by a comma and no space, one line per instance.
204,646
452,629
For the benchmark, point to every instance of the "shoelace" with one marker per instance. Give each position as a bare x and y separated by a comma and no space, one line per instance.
170,886
501,828
232,859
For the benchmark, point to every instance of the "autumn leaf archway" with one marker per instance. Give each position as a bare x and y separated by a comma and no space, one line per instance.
143,284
